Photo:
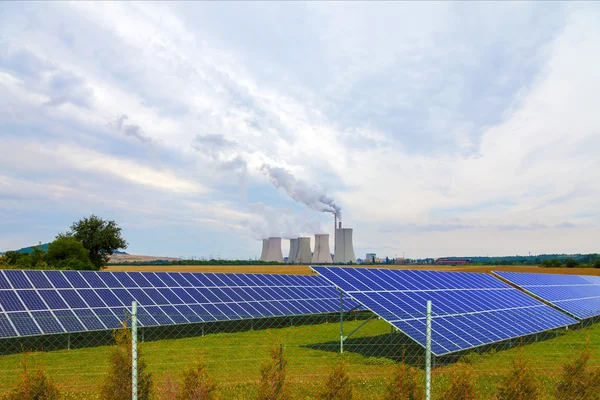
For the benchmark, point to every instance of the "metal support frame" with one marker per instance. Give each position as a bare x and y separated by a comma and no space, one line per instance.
428,352
68,341
134,352
342,337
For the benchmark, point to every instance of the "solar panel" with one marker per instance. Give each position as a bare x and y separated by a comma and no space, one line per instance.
579,295
468,309
48,302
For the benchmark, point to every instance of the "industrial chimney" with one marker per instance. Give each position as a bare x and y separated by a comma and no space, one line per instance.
344,250
304,253
322,254
274,250
292,258
265,250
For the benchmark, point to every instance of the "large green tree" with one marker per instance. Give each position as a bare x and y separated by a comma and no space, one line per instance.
66,252
101,238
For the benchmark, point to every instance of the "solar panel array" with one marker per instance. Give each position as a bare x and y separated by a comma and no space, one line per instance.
578,295
49,302
468,309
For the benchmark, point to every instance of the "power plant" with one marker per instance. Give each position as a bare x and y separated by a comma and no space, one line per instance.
304,253
272,250
300,250
293,257
322,254
344,250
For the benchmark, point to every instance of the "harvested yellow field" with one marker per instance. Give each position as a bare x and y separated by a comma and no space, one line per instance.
305,269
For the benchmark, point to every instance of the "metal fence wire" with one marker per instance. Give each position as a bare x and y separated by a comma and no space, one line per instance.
353,354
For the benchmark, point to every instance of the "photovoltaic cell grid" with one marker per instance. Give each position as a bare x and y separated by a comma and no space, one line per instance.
578,295
48,302
468,309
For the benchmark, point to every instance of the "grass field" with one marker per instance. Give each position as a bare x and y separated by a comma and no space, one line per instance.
234,360
305,270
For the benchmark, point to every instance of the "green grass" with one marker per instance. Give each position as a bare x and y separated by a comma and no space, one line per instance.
234,360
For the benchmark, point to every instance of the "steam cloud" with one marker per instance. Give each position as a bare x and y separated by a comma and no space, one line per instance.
280,223
301,191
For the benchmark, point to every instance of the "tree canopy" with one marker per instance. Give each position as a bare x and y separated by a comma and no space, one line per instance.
66,252
101,238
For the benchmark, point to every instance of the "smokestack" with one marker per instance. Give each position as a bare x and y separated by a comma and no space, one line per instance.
344,252
322,254
265,250
292,258
274,251
304,253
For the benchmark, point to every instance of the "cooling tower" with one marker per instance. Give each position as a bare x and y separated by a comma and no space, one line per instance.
321,255
292,258
274,250
265,250
344,250
304,253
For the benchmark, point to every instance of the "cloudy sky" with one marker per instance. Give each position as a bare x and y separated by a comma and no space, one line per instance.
439,129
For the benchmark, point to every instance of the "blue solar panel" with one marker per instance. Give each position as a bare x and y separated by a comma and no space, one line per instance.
4,282
578,295
468,309
18,279
47,322
86,300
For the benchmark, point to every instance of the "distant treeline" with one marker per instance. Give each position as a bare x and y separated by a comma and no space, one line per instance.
543,260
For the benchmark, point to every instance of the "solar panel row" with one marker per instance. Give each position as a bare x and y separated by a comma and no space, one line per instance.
47,302
578,295
468,309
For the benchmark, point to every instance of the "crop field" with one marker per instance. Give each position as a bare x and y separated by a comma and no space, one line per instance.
234,359
305,270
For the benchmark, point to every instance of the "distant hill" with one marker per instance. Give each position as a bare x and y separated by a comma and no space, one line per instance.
44,247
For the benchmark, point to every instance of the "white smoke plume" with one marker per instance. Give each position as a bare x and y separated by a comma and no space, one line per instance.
276,222
301,191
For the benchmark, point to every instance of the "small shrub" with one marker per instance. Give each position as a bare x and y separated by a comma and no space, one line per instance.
338,385
272,384
34,384
168,390
117,385
461,386
405,384
577,382
197,385
520,382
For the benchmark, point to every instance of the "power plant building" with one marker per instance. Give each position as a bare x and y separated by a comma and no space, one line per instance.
293,256
304,253
322,254
265,250
274,250
344,250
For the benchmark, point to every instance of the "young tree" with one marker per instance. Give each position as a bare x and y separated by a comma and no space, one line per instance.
405,384
520,382
34,384
66,252
272,384
577,382
197,385
338,385
461,385
101,238
117,385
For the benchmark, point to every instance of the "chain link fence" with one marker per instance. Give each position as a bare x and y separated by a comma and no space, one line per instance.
329,356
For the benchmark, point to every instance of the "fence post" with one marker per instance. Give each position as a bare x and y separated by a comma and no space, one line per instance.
341,322
134,352
428,352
